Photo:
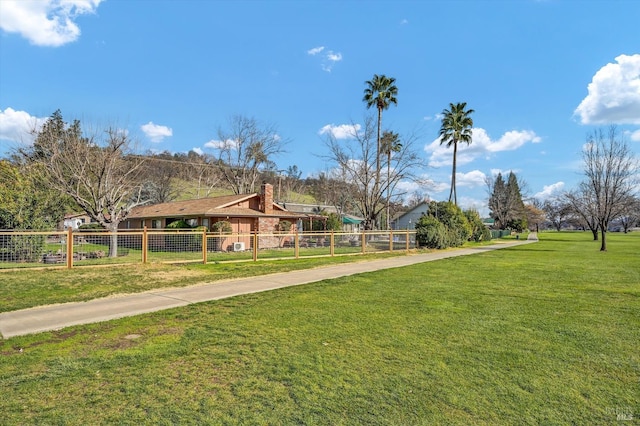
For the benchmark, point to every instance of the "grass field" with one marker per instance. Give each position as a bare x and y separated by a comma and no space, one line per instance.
544,333
23,288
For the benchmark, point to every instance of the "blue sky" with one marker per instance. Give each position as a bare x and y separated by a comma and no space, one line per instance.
539,74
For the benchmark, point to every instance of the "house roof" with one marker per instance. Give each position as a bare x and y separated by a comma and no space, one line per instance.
309,208
317,210
225,205
417,209
351,220
74,215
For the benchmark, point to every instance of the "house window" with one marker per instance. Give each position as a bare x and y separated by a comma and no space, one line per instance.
192,222
205,222
156,224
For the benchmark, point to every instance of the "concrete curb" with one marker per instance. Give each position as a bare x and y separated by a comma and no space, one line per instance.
55,317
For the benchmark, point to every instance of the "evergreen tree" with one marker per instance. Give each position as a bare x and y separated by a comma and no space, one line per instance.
517,212
498,203
506,205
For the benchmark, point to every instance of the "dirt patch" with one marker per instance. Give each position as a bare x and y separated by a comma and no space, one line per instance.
175,274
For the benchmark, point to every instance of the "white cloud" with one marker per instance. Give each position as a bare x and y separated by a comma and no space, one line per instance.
156,132
16,126
481,145
614,94
45,22
635,136
227,144
549,190
315,50
342,131
334,57
435,117
480,205
197,150
471,179
328,59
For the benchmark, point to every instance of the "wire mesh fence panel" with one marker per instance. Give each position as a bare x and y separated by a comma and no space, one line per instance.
347,243
174,246
315,244
25,249
229,247
102,248
401,241
276,245
20,249
376,241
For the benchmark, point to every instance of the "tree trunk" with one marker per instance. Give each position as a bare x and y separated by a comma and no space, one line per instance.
453,175
113,245
595,234
376,184
603,244
388,187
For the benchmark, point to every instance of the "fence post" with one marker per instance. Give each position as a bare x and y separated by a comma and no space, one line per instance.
407,240
145,245
331,244
69,248
204,246
296,245
255,246
364,242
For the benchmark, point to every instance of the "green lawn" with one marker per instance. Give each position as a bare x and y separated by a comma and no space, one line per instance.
23,288
544,333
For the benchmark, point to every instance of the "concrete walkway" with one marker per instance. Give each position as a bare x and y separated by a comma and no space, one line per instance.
55,317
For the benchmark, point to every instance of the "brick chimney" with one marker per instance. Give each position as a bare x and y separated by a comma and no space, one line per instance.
266,198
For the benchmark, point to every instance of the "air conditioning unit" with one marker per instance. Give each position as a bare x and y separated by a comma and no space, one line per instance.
238,246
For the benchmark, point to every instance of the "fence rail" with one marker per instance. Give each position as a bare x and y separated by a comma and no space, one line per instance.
21,249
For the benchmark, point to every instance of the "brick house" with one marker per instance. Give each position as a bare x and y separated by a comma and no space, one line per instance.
247,213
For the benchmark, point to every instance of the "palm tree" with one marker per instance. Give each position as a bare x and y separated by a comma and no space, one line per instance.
456,127
390,142
381,91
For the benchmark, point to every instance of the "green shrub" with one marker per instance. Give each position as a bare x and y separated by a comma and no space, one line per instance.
334,223
431,233
479,232
179,224
90,226
182,242
221,226
21,248
455,229
517,225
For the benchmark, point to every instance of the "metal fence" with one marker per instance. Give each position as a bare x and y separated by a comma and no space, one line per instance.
21,249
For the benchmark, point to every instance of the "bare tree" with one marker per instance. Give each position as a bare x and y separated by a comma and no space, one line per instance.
557,211
631,215
611,176
95,172
535,216
158,178
206,172
245,149
356,163
583,206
